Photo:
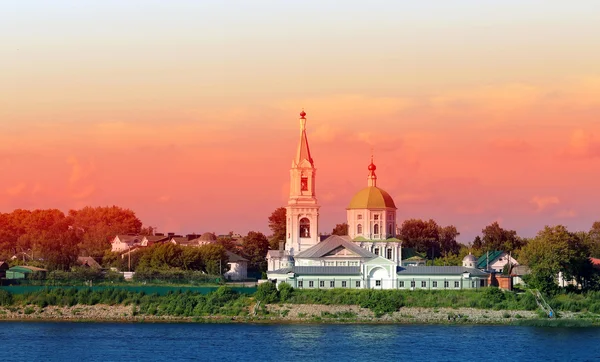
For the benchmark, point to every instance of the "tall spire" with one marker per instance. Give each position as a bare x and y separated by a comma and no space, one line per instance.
372,178
303,149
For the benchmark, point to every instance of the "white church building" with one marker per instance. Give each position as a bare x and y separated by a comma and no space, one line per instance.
370,256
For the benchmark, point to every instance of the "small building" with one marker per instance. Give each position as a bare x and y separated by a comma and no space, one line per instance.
470,261
517,273
206,238
149,240
238,267
124,242
3,269
88,261
495,260
441,277
25,272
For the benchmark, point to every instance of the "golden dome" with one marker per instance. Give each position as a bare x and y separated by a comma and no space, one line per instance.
371,197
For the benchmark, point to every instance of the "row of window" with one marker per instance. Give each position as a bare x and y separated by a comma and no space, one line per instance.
359,229
311,284
401,284
342,263
375,216
434,284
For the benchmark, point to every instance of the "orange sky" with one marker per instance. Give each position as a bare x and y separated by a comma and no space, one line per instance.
189,114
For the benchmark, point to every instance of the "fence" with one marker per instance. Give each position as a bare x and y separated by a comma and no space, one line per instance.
160,290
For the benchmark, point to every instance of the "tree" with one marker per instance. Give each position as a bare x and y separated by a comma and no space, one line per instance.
448,243
477,243
266,293
255,247
421,235
100,224
277,224
453,259
227,243
340,229
594,240
214,258
554,250
497,238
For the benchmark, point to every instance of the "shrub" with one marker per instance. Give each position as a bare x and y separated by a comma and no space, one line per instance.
266,293
286,292
5,298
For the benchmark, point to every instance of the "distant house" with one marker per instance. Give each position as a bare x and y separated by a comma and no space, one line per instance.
149,240
517,272
495,261
183,241
25,272
410,257
194,240
88,261
3,269
207,238
125,242
238,267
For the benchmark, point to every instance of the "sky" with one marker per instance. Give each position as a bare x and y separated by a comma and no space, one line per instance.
187,112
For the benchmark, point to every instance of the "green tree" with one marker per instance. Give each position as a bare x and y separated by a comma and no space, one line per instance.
255,247
277,224
497,238
554,250
477,243
422,236
594,240
266,293
214,258
448,243
99,225
340,229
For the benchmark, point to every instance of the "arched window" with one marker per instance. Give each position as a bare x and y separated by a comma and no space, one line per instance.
359,229
304,228
390,229
376,229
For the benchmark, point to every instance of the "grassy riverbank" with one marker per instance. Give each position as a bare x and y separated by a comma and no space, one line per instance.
488,306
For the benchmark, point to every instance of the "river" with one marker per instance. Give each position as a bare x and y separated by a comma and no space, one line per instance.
32,341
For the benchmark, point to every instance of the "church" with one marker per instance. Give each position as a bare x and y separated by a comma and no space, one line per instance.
370,256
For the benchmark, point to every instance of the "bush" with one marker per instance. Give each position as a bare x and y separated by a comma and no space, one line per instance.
286,291
267,293
5,298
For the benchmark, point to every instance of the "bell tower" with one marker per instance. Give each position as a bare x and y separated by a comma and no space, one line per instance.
302,211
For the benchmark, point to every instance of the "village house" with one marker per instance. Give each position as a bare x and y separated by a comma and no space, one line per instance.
495,261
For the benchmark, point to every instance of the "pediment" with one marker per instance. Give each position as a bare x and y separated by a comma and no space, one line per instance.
341,251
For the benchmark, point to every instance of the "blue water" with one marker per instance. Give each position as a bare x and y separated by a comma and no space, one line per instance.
25,341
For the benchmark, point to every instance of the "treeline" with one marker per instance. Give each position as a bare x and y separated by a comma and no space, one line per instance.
55,239
553,250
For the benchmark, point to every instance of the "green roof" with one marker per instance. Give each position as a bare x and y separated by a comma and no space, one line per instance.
483,260
360,238
416,257
408,253
26,269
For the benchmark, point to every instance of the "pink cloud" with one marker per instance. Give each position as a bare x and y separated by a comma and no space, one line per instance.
542,203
